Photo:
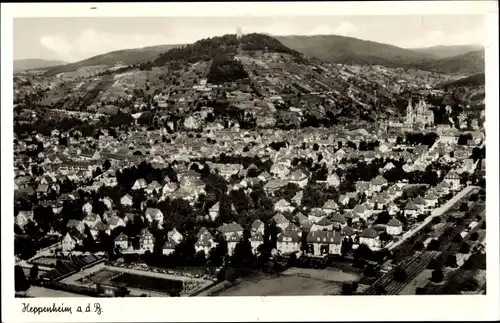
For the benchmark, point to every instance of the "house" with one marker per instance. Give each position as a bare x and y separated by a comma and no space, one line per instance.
394,227
258,226
87,208
168,247
298,177
420,203
325,224
91,219
127,200
431,200
392,208
23,217
115,222
343,199
297,198
146,240
213,212
121,241
338,220
99,227
68,243
293,228
205,241
170,187
232,240
256,240
378,183
75,225
140,184
154,214
175,235
228,229
370,237
288,242
330,206
453,179
316,215
283,206
264,176
411,209
273,185
108,202
281,221
360,211
280,170
322,243
153,187
363,187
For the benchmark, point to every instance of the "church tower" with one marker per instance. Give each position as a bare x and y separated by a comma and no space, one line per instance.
239,33
409,113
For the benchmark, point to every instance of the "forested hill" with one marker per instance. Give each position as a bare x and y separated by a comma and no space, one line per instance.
223,46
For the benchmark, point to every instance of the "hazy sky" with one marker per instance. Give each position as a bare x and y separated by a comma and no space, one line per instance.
73,39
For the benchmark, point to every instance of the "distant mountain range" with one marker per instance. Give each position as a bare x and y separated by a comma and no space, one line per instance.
448,51
349,50
34,63
464,60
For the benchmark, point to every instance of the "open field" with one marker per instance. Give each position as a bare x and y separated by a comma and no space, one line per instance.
328,274
267,285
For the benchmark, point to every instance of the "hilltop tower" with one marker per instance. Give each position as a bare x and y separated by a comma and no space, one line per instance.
239,33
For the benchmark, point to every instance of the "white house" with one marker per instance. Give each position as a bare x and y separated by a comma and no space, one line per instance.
87,208
68,243
330,206
168,247
324,242
146,240
154,214
127,200
258,226
298,177
281,221
288,242
214,211
175,235
283,206
140,184
411,209
394,227
122,241
453,180
370,237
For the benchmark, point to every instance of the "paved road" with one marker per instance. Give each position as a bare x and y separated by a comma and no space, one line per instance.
435,213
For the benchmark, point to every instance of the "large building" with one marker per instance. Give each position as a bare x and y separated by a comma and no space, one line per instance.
420,116
239,32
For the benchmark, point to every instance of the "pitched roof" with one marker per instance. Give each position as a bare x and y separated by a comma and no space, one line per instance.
280,219
370,233
337,217
411,206
290,234
169,244
282,203
330,205
394,223
257,236
324,222
347,231
121,237
257,224
324,237
379,180
230,227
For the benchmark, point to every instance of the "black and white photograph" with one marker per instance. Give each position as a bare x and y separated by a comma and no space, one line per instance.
327,155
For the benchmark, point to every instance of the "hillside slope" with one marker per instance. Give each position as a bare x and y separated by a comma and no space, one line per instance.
473,80
353,51
34,63
447,51
469,63
124,57
348,50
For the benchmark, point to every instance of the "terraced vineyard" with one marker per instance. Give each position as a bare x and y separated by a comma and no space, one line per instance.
388,285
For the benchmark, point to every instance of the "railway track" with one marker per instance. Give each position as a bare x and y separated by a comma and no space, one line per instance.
413,267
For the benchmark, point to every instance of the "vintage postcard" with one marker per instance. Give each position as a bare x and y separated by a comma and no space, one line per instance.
311,157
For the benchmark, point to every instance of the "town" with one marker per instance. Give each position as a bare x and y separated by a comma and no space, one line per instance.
213,168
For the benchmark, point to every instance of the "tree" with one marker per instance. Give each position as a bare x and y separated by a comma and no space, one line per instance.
21,284
451,261
437,276
420,291
34,273
369,270
363,252
106,165
464,248
384,236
